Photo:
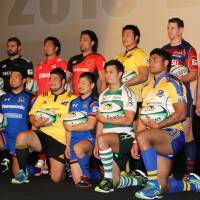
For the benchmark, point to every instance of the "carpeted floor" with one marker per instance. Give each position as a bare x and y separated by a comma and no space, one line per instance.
41,188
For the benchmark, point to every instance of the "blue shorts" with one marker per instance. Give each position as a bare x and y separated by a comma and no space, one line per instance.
177,141
75,140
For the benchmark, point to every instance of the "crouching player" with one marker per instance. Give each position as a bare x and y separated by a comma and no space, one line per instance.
80,140
50,136
114,135
15,106
158,141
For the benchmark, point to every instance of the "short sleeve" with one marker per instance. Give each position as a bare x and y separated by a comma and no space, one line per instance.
130,100
176,92
191,60
100,63
93,108
142,59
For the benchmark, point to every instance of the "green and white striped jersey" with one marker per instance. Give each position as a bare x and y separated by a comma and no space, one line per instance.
113,104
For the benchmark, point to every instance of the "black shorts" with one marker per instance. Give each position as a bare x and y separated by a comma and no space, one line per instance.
51,147
125,145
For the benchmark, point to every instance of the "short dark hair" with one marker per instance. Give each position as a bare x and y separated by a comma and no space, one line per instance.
90,76
21,70
163,54
178,21
58,71
14,39
56,43
118,65
93,37
135,30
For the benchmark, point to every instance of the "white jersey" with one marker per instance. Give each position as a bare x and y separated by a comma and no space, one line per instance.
114,104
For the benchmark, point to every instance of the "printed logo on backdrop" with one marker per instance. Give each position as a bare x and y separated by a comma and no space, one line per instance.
57,11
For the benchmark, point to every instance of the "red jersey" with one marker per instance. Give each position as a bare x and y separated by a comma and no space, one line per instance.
42,72
78,64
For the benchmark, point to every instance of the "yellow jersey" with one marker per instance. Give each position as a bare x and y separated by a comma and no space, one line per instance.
131,60
165,91
59,104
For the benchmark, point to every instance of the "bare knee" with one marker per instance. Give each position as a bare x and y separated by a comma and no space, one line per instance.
78,150
21,138
101,140
56,178
142,138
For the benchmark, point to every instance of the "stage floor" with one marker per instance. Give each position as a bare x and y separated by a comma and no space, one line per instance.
41,188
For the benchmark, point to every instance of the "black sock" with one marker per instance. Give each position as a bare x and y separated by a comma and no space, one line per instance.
190,154
22,154
4,154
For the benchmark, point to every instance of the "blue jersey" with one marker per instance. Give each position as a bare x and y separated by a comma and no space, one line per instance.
15,108
87,106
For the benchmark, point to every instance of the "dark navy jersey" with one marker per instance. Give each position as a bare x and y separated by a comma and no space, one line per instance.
15,108
184,59
88,107
7,65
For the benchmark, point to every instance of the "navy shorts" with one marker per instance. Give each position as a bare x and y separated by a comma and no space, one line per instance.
75,140
177,141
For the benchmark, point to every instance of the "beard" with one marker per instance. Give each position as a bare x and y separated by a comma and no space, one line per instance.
12,53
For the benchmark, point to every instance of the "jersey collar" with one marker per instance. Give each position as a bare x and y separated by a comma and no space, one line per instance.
51,61
130,50
85,98
156,81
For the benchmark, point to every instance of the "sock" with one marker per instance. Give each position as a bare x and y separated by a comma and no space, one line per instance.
4,154
4,165
149,157
190,154
22,154
176,185
42,156
107,161
126,181
84,164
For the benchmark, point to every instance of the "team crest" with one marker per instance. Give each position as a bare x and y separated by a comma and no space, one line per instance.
21,99
160,93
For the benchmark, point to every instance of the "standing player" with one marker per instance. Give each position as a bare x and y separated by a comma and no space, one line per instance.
52,50
80,140
135,62
50,137
115,134
15,106
185,67
88,61
15,59
159,141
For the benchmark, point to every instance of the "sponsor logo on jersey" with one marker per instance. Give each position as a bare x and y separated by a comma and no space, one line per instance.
44,75
80,70
21,107
75,105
